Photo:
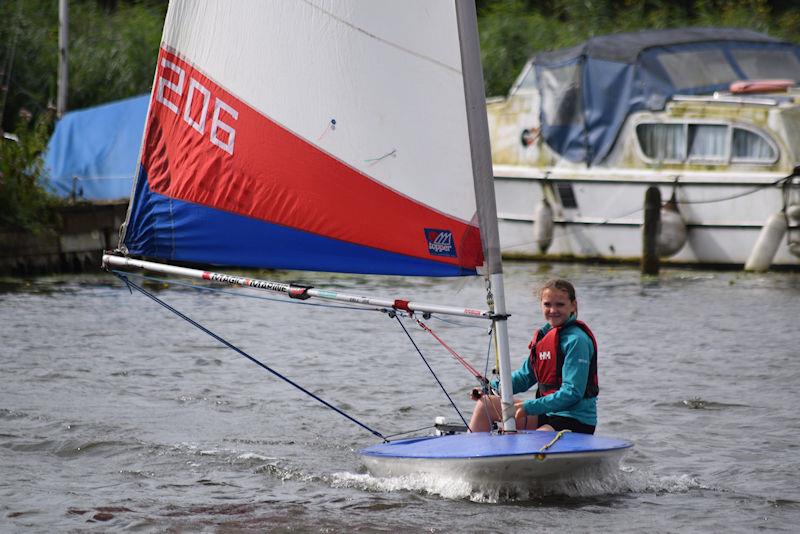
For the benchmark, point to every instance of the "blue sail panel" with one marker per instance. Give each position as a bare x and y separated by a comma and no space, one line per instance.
176,230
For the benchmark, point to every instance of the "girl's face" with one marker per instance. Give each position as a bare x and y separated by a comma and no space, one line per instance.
556,306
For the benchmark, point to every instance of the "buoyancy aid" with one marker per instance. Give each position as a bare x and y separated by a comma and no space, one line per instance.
547,360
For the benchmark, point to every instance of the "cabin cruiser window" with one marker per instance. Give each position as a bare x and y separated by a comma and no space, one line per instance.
708,142
712,143
561,97
662,142
759,63
749,146
698,68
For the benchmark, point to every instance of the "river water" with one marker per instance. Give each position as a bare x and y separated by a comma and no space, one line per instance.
117,415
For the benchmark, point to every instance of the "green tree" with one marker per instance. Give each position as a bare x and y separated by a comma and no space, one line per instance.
111,54
514,30
24,202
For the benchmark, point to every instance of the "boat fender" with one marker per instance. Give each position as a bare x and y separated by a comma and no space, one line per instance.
672,234
793,211
543,225
767,243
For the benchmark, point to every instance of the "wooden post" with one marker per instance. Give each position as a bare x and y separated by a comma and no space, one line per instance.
652,220
63,40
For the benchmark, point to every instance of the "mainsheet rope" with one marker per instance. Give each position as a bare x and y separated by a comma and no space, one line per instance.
194,323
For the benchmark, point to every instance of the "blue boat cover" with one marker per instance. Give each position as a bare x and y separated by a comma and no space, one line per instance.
587,91
484,445
93,153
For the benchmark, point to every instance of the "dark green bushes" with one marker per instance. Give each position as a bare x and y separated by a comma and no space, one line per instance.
24,202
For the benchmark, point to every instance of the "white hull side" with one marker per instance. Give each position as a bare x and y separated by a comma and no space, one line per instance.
527,470
606,225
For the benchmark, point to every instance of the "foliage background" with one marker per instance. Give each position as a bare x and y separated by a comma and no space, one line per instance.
513,30
113,46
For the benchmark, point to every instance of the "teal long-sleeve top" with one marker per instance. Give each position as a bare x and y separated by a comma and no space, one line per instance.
568,401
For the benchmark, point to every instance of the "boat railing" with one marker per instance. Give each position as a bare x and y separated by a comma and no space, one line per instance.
726,98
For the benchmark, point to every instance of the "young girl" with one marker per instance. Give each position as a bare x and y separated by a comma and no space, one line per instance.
562,361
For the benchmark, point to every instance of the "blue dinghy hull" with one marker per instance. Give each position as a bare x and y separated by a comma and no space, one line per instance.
482,458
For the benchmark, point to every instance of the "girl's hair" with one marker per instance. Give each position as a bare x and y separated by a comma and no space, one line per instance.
561,285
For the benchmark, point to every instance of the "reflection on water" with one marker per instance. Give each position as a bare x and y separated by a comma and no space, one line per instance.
116,414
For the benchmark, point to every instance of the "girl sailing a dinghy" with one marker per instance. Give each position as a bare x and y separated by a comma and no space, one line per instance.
563,353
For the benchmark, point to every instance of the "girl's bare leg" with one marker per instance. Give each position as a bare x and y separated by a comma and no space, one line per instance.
487,410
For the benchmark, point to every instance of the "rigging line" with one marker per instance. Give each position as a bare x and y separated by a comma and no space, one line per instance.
244,295
242,353
431,370
460,359
489,351
409,431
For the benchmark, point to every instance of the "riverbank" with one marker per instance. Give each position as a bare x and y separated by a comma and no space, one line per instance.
86,230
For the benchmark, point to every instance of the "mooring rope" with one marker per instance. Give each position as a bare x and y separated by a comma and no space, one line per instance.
608,220
194,323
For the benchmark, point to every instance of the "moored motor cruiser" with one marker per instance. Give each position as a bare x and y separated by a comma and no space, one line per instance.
620,113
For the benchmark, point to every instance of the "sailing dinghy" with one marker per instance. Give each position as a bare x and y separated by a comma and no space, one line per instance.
340,136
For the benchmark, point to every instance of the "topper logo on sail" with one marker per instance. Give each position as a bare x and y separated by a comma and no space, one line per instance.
440,242
195,115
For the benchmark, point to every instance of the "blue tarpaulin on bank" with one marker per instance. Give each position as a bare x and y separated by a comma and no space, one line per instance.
93,152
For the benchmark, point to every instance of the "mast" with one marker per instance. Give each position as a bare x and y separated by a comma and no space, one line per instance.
484,191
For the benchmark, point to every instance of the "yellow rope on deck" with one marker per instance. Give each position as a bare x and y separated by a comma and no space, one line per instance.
541,456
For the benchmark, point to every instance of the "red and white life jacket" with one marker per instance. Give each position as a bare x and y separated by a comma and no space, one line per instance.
547,360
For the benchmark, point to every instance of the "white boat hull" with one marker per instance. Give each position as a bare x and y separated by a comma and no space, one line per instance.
606,223
527,459
526,470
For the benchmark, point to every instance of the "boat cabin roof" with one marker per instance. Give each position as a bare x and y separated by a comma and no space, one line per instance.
626,47
587,91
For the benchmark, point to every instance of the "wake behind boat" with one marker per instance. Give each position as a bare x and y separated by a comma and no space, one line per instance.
368,153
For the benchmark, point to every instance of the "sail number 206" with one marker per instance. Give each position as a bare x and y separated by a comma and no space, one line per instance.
196,115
